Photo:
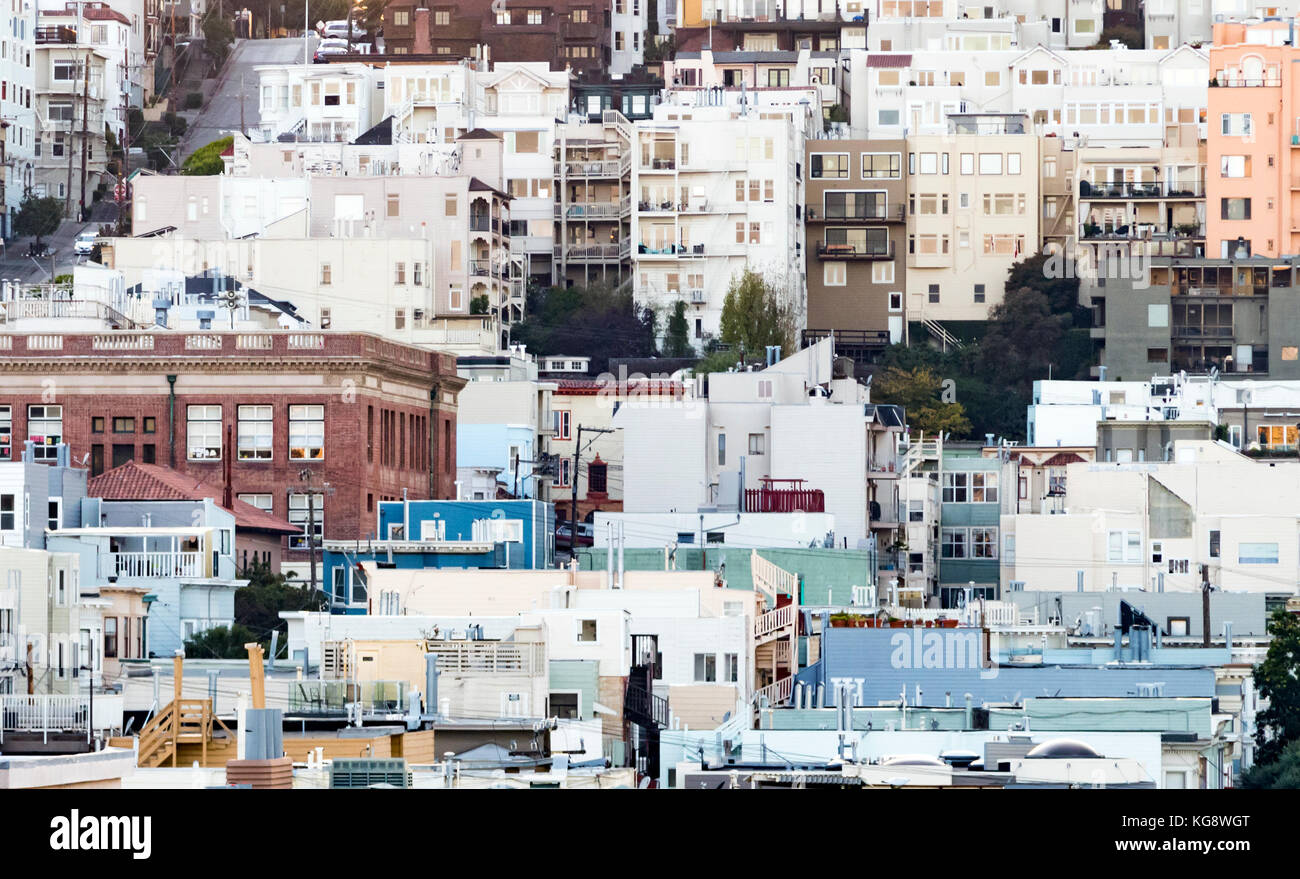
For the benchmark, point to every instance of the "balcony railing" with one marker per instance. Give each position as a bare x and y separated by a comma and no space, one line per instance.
588,252
855,251
153,564
1142,232
1124,190
489,657
784,500
878,213
480,224
658,164
589,169
590,211
671,249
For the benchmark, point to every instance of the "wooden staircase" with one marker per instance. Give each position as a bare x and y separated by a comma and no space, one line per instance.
187,723
776,631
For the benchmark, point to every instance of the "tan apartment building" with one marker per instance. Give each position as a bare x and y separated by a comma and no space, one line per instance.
593,202
1056,185
973,210
855,221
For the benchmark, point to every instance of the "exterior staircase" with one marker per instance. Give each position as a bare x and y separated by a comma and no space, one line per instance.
776,630
182,722
945,339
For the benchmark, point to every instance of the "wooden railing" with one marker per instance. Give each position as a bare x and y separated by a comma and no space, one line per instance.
770,579
772,622
776,693
156,743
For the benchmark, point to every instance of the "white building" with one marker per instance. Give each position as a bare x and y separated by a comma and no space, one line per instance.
17,42
714,192
1152,526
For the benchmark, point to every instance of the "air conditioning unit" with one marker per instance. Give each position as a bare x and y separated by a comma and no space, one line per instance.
353,773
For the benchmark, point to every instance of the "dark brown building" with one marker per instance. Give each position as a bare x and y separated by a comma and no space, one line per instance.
563,32
856,226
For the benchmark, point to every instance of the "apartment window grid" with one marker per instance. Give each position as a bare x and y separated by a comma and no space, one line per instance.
203,432
255,433
307,432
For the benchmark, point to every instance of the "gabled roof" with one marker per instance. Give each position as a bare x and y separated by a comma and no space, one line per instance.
1055,56
151,482
477,185
479,134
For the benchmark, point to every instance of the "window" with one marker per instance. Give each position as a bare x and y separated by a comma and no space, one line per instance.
587,631
45,430
990,163
563,473
1234,124
984,488
307,433
882,166
326,275
307,512
1124,547
110,637
399,273
706,668
967,163
1234,209
1214,544
1257,554
952,543
565,706
394,204
1178,627
562,420
8,513
722,450
6,433
534,16
203,432
1234,166
255,432
54,514
834,274
984,543
756,443
262,501
955,488
731,667
97,424
442,17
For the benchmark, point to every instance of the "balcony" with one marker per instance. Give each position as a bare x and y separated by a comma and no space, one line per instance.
1127,190
45,714
481,223
659,164
132,565
882,213
590,211
589,252
605,168
1142,232
670,250
331,698
56,34
883,250
1243,82
795,498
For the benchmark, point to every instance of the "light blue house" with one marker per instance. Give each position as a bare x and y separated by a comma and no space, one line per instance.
418,534
508,448
970,514
182,552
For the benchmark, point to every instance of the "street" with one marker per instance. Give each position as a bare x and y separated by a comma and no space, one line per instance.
238,84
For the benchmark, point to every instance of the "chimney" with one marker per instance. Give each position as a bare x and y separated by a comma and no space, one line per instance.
423,39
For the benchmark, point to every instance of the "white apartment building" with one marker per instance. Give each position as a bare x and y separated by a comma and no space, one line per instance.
804,68
716,189
41,607
269,160
61,89
745,447
1152,526
1074,95
627,25
219,206
1171,22
973,211
331,102
17,81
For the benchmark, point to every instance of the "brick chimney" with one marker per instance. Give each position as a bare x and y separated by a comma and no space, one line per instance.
423,38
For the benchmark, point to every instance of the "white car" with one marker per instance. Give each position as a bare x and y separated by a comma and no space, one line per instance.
84,245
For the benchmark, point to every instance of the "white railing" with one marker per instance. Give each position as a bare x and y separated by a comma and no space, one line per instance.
43,714
922,614
770,579
253,341
205,342
45,342
306,340
489,657
863,596
991,613
777,693
153,564
123,342
773,621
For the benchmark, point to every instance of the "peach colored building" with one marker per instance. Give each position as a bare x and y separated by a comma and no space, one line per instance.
1253,156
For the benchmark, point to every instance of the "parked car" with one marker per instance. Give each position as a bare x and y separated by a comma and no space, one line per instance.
339,29
84,245
564,535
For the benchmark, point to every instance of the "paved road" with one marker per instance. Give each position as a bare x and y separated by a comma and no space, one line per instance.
221,113
16,264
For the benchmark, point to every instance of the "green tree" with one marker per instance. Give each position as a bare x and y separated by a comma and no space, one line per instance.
206,160
919,392
1277,679
38,217
1046,274
1280,774
753,316
218,34
479,304
1130,37
600,321
220,643
258,605
1021,341
677,335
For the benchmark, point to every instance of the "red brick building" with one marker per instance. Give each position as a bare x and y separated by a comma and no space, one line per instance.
350,418
572,33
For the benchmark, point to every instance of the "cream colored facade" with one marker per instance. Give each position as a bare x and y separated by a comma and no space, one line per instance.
1153,525
41,609
974,209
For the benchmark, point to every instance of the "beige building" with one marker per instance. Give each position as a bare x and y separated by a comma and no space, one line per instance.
593,209
973,210
42,642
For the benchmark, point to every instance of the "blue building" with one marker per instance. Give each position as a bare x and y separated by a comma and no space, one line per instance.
971,512
418,534
945,664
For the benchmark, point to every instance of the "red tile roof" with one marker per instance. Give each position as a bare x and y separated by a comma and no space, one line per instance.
889,60
151,482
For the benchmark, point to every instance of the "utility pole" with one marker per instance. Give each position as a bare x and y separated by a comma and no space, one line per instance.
85,132
1205,605
577,451
242,129
307,476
